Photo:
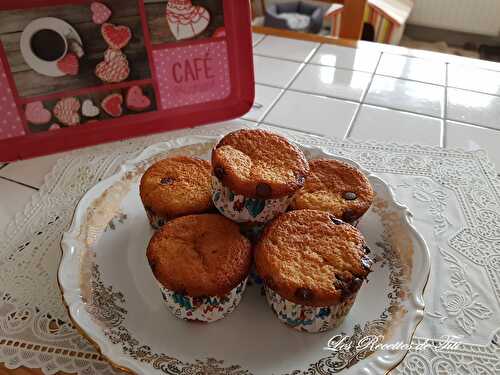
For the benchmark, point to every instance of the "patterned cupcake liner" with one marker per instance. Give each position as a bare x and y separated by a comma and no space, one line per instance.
308,318
242,209
203,309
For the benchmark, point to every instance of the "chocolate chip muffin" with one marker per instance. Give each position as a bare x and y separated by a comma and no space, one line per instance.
313,265
201,263
255,174
335,187
175,187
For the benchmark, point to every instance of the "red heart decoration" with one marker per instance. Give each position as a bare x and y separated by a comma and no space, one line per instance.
117,37
219,32
37,114
114,68
112,105
136,100
100,13
69,64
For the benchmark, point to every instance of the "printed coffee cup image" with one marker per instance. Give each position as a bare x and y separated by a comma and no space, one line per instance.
44,42
48,45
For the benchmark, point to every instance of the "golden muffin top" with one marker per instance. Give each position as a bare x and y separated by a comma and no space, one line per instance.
200,255
259,164
311,258
335,187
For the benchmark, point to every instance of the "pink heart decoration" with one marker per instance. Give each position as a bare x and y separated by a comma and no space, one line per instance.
67,111
54,127
112,105
37,114
100,13
136,100
69,64
117,37
185,19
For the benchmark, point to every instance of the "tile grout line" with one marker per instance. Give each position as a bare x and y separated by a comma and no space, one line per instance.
362,101
443,59
383,75
289,84
444,125
259,42
3,166
379,106
293,129
18,182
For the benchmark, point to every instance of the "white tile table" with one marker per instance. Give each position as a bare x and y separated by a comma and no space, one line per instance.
378,92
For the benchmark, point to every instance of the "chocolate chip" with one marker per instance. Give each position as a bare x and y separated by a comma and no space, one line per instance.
301,179
167,181
304,294
219,172
263,190
366,249
336,221
349,196
349,216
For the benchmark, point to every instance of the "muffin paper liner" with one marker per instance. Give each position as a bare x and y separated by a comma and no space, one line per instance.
203,309
243,209
308,318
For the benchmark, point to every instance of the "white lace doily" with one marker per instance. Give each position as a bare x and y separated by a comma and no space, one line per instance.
454,196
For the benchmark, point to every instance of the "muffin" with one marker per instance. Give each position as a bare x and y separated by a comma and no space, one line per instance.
255,174
201,263
176,187
313,265
337,188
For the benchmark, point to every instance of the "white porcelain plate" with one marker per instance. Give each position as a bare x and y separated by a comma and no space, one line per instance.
113,297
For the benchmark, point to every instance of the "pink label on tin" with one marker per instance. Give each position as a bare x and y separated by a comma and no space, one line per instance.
192,74
11,124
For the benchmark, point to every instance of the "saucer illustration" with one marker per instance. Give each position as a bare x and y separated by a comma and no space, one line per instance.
44,42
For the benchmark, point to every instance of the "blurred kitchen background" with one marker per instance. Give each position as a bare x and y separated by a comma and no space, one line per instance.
468,28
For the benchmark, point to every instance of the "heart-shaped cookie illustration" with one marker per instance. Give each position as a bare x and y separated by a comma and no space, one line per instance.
100,13
69,64
66,111
112,105
136,100
185,19
117,37
37,114
114,68
89,109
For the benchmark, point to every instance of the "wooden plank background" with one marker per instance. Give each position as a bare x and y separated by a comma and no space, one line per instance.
158,26
30,83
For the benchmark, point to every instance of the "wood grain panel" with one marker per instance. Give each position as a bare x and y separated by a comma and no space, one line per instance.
29,83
